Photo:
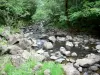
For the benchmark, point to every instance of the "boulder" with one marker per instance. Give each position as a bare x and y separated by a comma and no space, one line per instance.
89,60
48,45
68,43
74,54
15,38
60,60
69,37
6,33
52,38
26,55
97,46
25,43
17,60
38,57
63,51
93,68
70,69
53,57
61,39
13,49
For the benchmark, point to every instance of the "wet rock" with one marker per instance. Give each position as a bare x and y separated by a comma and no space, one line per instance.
86,41
61,39
97,46
98,51
70,70
86,48
69,37
52,38
93,68
47,72
76,44
48,45
63,51
74,54
69,44
89,60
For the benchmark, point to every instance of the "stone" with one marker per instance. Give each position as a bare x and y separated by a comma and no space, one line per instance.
72,60
17,60
41,51
15,38
86,48
69,37
95,74
47,72
58,54
97,46
3,49
93,68
61,39
53,57
85,73
52,38
60,60
89,60
48,45
37,57
70,69
26,55
46,54
76,65
76,44
37,67
63,51
86,41
80,69
74,54
6,32
14,49
25,43
98,51
69,44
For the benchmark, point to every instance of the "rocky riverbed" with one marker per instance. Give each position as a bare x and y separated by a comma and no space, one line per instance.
78,54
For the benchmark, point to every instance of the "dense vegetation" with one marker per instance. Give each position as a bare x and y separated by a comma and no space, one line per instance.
60,13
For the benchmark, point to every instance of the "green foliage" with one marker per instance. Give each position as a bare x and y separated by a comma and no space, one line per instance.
14,11
55,68
24,69
87,16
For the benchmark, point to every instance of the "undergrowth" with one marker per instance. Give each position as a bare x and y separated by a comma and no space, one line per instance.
27,68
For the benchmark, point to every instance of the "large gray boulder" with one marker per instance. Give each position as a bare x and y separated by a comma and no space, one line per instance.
13,49
13,39
89,60
25,43
70,69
